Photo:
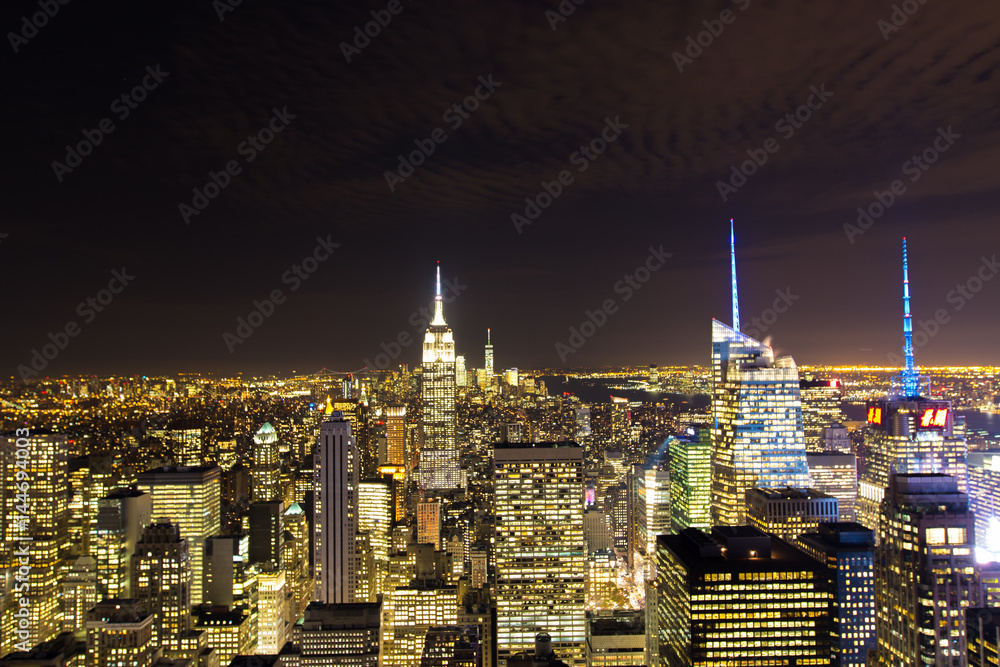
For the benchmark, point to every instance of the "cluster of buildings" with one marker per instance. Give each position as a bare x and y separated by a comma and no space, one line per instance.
460,518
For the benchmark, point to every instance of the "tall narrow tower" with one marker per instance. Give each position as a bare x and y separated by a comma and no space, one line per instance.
439,461
489,358
732,261
335,518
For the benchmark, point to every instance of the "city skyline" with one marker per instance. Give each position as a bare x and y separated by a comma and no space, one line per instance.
885,113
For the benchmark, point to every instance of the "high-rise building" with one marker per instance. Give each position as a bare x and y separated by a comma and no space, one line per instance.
335,513
848,549
461,374
410,611
227,559
757,435
266,532
189,498
340,634
757,440
907,432
596,531
266,470
690,480
616,638
395,435
651,507
429,523
78,593
273,612
982,630
227,632
984,502
375,520
820,409
120,634
185,435
540,561
837,439
708,586
161,582
440,469
836,474
34,475
787,513
121,518
925,573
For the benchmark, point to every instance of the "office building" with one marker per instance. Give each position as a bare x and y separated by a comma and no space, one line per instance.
984,502
616,638
461,374
651,507
120,634
161,582
820,409
121,518
78,593
848,550
266,532
273,613
836,474
429,523
925,575
908,432
690,480
540,564
185,437
395,435
340,634
757,435
596,531
410,611
982,630
707,586
439,462
375,521
228,632
189,498
452,646
787,513
266,471
837,439
335,513
488,356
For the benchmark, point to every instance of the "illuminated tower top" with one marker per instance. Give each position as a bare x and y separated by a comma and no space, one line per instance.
489,355
909,377
438,320
736,295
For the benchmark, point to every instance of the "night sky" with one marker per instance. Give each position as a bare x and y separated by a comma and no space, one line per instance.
884,85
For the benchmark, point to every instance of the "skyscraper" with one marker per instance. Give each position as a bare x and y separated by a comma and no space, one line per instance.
120,634
908,432
787,513
848,551
836,474
161,581
335,518
820,409
335,634
395,435
266,465
189,498
690,480
925,575
708,586
121,518
757,437
540,562
439,462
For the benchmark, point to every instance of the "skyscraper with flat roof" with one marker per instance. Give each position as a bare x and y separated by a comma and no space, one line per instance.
690,480
540,560
335,513
189,498
266,465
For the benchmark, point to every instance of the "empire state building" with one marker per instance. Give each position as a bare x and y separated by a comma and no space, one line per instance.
439,461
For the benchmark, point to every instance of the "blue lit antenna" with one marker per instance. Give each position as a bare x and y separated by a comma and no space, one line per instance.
909,377
736,294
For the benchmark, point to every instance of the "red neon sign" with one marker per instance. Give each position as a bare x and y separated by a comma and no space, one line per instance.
934,417
874,415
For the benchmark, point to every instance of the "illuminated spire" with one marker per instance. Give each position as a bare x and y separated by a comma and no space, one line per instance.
438,303
736,294
488,336
909,377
